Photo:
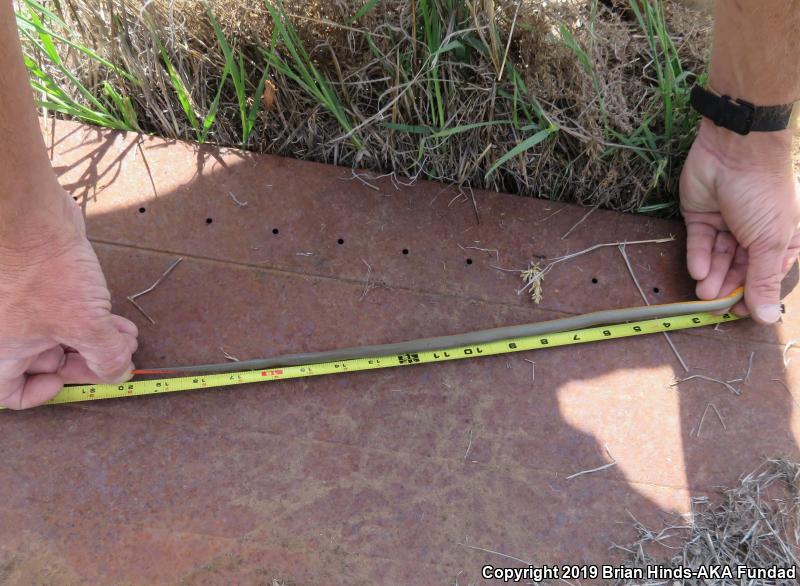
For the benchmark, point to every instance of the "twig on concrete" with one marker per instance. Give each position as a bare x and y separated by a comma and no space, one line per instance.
507,270
469,445
360,178
494,251
457,196
548,216
132,298
749,368
578,223
644,298
598,469
721,420
725,384
241,204
788,346
533,371
559,259
369,284
700,425
228,356
474,205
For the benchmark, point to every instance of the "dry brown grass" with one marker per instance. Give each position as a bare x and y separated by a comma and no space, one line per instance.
756,524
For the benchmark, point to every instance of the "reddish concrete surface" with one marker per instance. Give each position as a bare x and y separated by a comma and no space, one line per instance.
385,477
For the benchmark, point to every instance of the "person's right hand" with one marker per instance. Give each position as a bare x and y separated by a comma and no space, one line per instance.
56,324
741,204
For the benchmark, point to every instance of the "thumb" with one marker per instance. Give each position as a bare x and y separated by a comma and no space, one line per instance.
106,350
762,290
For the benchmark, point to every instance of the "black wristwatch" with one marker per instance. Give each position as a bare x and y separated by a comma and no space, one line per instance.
738,115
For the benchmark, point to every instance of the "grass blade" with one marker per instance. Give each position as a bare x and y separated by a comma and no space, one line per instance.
364,10
179,87
526,144
467,127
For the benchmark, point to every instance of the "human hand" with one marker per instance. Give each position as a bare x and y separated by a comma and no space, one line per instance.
56,324
741,204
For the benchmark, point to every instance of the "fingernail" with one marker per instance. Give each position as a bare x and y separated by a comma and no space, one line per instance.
768,313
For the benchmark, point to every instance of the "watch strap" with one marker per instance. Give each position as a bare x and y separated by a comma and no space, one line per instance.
740,116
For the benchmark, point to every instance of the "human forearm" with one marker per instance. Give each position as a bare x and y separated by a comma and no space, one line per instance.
756,50
755,53
28,186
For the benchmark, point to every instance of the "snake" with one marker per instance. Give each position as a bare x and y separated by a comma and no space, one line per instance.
575,322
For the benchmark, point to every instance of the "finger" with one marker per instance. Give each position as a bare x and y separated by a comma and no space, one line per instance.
128,329
125,325
700,238
763,285
737,274
721,258
48,361
75,371
30,391
107,351
130,342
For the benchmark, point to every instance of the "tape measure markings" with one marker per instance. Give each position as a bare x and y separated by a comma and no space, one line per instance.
77,393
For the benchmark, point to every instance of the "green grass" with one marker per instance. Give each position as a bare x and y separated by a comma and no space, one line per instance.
368,7
446,33
179,86
236,70
669,134
44,31
667,128
300,68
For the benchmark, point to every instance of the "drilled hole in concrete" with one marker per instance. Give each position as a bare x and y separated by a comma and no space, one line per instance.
405,251
656,290
209,220
275,231
469,261
142,210
594,280
340,241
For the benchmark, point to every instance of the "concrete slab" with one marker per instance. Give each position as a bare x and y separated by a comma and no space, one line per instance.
395,477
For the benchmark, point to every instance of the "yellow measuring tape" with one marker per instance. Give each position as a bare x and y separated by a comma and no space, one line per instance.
73,394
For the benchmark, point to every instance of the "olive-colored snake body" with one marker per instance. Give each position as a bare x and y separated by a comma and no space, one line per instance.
597,318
